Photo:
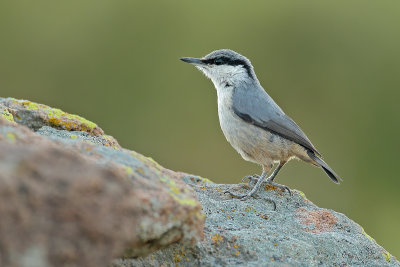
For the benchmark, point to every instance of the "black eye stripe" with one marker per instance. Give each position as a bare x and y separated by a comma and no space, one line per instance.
216,61
227,61
219,61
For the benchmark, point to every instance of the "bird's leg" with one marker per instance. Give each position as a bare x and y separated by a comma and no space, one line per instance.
260,181
254,178
271,178
253,191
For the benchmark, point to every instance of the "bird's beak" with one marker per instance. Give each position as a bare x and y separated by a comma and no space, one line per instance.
192,60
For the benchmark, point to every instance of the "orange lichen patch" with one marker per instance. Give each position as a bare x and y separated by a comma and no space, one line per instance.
321,220
179,256
216,238
270,187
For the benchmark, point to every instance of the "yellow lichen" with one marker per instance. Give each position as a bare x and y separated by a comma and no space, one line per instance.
86,123
29,105
146,160
7,115
237,253
179,255
367,235
59,118
176,193
216,238
151,159
263,216
140,170
387,256
127,169
302,194
108,137
73,136
206,180
11,137
180,196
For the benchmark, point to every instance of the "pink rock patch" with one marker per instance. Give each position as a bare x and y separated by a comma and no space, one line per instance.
317,221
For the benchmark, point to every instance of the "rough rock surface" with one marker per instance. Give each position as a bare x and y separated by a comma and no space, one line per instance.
36,115
71,196
251,233
75,198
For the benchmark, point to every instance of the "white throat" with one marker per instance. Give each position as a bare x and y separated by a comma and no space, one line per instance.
225,75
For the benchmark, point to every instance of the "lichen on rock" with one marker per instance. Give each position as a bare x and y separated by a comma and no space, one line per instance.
36,115
5,114
71,195
86,199
251,233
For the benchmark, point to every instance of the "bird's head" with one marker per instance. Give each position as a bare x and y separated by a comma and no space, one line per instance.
224,67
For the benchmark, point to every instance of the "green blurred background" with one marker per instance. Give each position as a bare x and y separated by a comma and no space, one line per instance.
333,66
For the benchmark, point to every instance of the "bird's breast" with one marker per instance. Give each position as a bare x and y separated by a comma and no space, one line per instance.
236,131
253,143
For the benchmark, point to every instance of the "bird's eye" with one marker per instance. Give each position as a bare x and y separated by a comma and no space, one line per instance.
218,61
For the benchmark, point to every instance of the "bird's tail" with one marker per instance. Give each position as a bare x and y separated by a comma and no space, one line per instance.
334,177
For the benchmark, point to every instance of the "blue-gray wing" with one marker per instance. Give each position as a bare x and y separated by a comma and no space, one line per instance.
258,108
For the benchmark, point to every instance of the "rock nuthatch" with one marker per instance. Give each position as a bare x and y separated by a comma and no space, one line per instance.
251,120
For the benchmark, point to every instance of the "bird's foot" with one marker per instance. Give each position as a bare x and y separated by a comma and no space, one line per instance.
281,186
247,196
252,178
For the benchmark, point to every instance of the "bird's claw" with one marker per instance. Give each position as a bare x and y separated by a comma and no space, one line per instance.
283,187
251,178
235,195
290,192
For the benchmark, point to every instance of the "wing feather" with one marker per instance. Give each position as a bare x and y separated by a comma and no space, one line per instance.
258,108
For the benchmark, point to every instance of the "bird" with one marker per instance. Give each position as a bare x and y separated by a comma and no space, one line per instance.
252,122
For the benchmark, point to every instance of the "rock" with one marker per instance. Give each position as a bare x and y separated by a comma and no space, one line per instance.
251,233
71,196
76,198
5,114
36,115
